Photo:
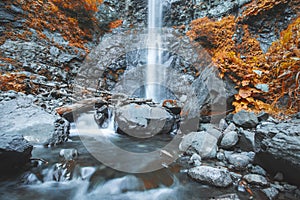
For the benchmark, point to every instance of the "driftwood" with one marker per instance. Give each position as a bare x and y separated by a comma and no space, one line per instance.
137,100
80,105
88,104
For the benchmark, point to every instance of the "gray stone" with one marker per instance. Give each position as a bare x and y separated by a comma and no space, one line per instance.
228,153
277,186
211,176
195,159
143,121
229,139
285,147
270,192
202,143
263,116
211,92
220,156
278,176
250,154
236,176
223,124
20,116
231,127
245,119
258,170
256,179
222,164
15,152
240,161
247,141
211,129
214,132
289,187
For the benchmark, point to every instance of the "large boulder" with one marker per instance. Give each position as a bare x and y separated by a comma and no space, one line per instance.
211,176
143,121
280,148
202,143
15,153
20,116
284,146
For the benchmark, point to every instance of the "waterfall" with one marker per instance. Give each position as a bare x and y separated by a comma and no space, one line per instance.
154,71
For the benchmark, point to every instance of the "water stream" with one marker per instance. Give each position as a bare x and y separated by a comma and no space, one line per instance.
155,72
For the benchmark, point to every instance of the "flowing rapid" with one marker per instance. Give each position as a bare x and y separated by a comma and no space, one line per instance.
155,74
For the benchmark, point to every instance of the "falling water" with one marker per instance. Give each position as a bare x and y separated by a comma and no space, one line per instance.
154,72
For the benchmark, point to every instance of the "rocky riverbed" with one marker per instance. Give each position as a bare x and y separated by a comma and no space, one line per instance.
47,84
252,154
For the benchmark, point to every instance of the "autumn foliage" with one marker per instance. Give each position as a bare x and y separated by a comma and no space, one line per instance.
257,6
74,20
265,81
88,5
17,82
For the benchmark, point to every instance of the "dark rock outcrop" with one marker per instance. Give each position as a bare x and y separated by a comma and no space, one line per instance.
266,26
280,148
247,141
15,153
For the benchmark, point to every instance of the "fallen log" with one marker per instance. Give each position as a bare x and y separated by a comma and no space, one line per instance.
67,111
85,105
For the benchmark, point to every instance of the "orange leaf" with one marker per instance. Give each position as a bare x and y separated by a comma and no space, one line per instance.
245,82
245,92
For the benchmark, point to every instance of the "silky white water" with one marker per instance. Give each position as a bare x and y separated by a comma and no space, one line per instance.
154,71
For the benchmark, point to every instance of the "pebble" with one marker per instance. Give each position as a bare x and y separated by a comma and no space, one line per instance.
195,159
278,176
239,161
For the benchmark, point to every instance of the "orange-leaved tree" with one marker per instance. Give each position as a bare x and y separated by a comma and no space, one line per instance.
262,80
